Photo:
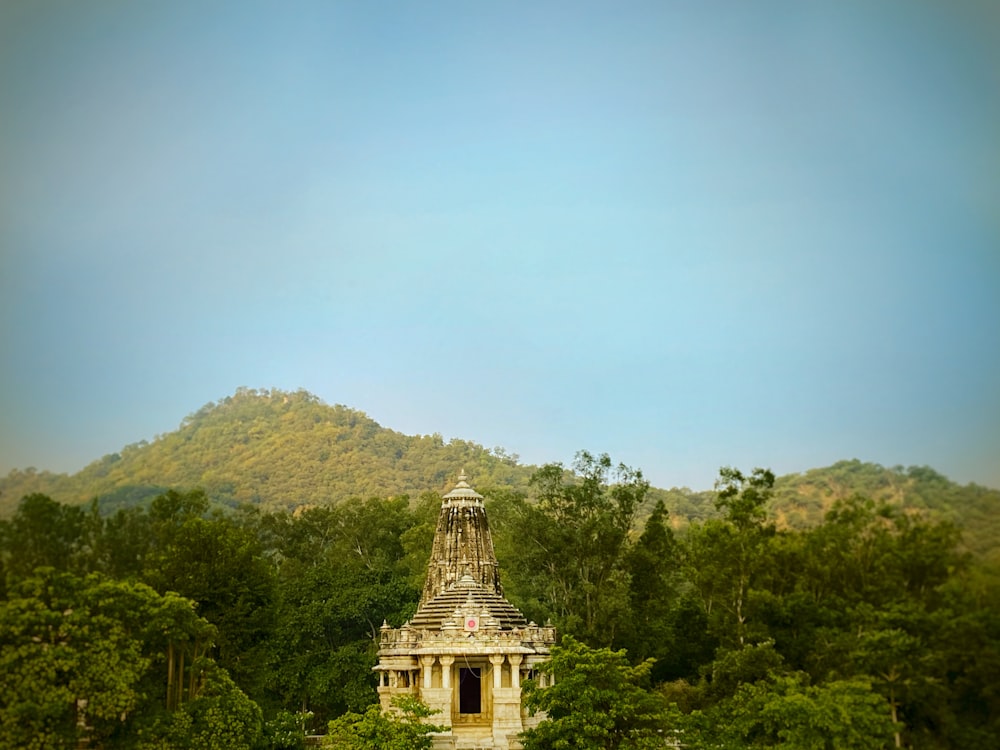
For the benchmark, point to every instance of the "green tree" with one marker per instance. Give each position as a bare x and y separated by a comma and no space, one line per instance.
342,571
114,664
966,650
125,540
44,533
838,715
322,651
566,552
220,566
665,621
598,701
871,585
69,667
286,731
405,728
724,556
787,713
743,499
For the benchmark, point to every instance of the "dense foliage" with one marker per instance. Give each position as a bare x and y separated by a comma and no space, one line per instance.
873,629
143,624
596,701
404,728
276,449
282,450
180,623
116,663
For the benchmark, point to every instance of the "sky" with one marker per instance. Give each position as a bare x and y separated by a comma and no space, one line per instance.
687,234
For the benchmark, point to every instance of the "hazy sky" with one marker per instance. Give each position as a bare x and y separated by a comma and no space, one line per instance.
687,234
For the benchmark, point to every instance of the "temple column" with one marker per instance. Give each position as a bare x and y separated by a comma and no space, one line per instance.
515,669
446,662
428,666
497,661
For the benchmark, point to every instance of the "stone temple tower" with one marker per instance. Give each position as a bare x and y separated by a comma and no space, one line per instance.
467,648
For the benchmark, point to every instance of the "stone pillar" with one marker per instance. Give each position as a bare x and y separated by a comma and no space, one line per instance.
428,667
446,662
515,669
497,661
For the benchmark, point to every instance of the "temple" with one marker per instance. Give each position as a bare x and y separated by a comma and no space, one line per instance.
467,649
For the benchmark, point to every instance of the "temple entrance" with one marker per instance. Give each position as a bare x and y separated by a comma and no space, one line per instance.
470,690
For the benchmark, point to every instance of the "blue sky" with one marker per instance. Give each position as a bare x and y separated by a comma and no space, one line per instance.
686,234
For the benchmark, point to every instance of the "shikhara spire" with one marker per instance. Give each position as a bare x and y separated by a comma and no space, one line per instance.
462,545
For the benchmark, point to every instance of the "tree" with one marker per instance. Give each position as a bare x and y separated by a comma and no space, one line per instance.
787,713
342,571
874,579
322,650
68,669
402,729
570,545
665,620
114,664
220,566
598,702
43,533
743,499
126,538
723,556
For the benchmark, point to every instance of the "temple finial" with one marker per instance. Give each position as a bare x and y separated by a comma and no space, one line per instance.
462,490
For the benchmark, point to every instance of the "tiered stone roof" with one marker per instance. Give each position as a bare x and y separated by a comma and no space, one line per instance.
467,596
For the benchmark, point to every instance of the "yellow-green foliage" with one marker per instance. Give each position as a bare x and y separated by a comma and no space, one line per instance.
801,500
276,449
283,450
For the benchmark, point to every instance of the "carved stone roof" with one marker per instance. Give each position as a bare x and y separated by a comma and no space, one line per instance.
463,493
463,565
468,597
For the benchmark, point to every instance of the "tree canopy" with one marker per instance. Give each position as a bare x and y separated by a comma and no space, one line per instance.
104,661
595,700
282,450
182,623
402,729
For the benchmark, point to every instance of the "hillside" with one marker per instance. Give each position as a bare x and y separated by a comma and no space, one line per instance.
276,449
800,500
281,449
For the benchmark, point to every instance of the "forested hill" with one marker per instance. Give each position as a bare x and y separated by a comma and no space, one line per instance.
276,449
283,449
801,500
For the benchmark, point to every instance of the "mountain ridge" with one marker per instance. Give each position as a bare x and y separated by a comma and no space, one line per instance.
274,448
284,449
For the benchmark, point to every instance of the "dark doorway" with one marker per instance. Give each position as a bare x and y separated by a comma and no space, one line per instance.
470,691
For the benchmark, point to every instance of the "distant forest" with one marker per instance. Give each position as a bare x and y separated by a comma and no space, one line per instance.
223,587
283,450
